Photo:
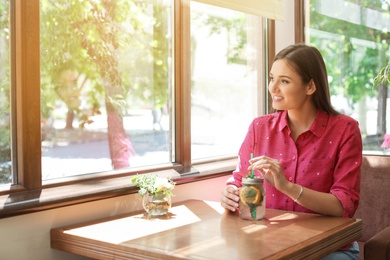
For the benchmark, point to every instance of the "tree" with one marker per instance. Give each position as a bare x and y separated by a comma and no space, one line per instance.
353,54
89,40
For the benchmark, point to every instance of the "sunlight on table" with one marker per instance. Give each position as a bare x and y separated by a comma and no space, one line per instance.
216,206
120,230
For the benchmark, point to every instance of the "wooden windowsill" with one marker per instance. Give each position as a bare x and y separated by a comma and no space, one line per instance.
52,196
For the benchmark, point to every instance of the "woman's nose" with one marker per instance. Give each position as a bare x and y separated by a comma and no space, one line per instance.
271,86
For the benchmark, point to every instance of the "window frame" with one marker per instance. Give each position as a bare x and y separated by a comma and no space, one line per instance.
300,17
31,193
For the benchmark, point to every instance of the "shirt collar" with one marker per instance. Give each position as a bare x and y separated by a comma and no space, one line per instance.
283,121
320,123
318,126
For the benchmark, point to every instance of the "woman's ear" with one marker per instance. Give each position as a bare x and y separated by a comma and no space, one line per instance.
311,88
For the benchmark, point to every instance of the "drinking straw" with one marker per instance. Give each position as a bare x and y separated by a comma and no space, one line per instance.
253,171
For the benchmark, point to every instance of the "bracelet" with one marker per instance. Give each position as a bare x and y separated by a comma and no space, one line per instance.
299,195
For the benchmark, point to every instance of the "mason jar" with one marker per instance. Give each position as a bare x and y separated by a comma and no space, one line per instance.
252,199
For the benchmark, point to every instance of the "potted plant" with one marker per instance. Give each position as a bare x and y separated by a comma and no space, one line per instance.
156,193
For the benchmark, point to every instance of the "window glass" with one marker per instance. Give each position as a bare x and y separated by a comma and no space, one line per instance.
106,79
5,113
226,48
354,37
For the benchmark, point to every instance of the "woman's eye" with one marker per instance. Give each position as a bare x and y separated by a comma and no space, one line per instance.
271,79
284,81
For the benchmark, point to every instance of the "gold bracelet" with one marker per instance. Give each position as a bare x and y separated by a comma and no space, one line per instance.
299,195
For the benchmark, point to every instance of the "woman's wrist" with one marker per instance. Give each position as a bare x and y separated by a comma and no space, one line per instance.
294,191
299,195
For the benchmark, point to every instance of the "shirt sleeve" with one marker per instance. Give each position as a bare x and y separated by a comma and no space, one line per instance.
346,184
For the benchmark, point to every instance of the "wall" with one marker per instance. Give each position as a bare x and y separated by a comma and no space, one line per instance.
27,237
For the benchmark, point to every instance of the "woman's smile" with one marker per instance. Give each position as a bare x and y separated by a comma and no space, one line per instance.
276,98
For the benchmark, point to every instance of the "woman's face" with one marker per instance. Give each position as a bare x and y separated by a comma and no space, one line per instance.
287,89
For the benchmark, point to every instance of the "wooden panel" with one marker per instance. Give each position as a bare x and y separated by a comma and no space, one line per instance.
26,82
182,88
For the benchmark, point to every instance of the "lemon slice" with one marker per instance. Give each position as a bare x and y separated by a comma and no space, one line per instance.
250,195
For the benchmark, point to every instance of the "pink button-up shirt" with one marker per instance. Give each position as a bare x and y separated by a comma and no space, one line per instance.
326,158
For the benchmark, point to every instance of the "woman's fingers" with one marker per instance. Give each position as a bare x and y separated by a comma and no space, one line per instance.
229,198
263,163
270,168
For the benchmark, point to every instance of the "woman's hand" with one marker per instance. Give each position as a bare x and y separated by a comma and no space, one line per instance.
320,202
230,198
271,170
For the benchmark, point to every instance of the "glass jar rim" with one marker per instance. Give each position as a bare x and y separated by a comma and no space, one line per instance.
252,181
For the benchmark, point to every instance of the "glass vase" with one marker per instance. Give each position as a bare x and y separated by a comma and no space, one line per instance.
156,204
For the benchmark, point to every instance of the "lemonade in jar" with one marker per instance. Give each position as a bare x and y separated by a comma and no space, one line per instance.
252,199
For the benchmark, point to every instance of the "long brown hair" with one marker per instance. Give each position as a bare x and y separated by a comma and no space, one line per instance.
309,64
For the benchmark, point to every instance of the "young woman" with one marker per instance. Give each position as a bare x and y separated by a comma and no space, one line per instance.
308,154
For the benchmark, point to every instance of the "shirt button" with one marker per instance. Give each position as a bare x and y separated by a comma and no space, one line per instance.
293,158
289,178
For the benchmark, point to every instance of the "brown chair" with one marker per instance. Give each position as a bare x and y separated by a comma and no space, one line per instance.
378,247
374,208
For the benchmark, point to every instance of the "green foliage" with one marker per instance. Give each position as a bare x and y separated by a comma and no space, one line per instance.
383,76
108,43
153,185
5,155
352,52
5,165
4,61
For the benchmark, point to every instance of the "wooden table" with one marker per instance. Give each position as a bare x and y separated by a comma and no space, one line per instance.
196,229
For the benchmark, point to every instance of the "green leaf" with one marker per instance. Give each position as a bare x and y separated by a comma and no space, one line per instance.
252,208
251,193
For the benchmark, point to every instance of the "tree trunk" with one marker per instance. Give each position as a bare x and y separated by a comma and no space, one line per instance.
382,97
69,119
120,146
104,54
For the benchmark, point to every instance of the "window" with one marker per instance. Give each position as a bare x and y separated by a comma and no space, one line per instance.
106,95
5,111
225,78
353,37
106,81
105,89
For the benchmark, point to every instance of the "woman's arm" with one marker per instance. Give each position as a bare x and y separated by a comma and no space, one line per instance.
323,203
